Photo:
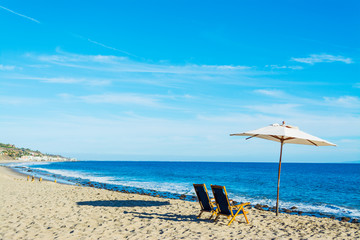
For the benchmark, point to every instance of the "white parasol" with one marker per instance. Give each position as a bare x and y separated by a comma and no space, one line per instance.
284,134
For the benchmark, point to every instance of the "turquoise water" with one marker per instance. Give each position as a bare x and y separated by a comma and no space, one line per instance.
331,189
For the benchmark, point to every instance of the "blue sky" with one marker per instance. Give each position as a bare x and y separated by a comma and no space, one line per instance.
170,80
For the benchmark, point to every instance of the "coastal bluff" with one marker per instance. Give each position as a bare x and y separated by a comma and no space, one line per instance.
9,152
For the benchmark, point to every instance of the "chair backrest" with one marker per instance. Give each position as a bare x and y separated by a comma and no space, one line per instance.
203,196
221,199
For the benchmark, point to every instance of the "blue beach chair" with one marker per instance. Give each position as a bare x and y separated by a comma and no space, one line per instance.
224,207
205,202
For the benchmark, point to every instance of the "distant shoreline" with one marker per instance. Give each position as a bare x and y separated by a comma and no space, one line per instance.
11,152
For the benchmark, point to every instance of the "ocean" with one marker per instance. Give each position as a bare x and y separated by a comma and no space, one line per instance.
314,188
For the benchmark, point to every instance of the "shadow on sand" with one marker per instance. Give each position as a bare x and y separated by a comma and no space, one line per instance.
122,203
168,216
140,203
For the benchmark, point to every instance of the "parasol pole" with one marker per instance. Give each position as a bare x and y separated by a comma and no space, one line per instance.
278,185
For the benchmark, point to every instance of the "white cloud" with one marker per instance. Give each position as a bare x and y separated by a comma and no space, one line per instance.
188,96
271,93
72,68
285,67
60,80
65,96
288,109
111,63
21,15
111,48
63,57
123,98
9,100
295,67
7,67
65,80
344,101
225,67
319,58
131,99
68,68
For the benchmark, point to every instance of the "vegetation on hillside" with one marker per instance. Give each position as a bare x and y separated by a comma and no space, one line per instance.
12,151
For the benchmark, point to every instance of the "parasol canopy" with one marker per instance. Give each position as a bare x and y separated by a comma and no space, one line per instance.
284,134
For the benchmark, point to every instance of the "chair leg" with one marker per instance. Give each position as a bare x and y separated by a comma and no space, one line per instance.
247,221
217,217
212,214
200,214
232,219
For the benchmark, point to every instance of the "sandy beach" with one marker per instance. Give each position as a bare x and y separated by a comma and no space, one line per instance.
48,210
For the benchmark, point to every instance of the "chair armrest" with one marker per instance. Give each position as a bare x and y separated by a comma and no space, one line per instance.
212,202
241,205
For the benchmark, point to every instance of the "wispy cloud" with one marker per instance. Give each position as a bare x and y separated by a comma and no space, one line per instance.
129,99
122,98
285,110
70,68
10,100
343,102
21,15
226,67
271,93
117,98
67,80
122,64
7,67
62,57
111,48
284,67
296,101
319,58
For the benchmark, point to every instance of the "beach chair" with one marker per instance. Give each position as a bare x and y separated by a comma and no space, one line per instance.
224,206
206,204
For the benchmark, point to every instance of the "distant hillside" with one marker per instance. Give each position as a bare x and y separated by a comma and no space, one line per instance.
11,152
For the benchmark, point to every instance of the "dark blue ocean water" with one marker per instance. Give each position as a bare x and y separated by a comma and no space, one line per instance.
319,188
